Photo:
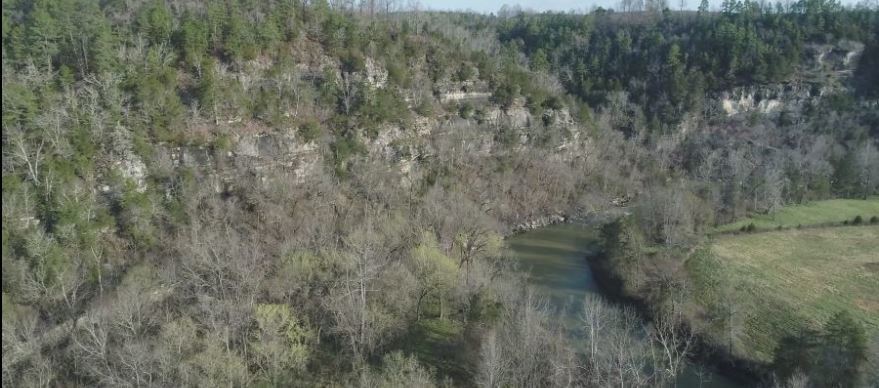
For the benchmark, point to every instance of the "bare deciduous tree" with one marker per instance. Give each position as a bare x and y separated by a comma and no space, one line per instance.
593,317
368,252
673,341
867,164
493,364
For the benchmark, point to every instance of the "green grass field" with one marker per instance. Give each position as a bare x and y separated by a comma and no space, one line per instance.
813,213
780,281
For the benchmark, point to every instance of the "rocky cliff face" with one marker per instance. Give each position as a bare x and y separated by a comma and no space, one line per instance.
828,71
256,150
259,151
767,99
248,153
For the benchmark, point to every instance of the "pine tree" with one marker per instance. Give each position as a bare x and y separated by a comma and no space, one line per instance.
156,22
43,33
703,7
843,353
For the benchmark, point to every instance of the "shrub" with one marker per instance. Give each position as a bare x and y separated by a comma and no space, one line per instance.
353,61
344,148
750,228
874,220
465,110
424,108
464,73
553,102
223,142
384,106
347,146
504,95
397,75
309,130
506,136
548,119
480,116
858,220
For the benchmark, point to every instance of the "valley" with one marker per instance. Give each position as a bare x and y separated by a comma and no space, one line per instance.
322,193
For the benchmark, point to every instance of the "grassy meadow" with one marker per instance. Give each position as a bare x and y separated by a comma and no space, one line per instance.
809,214
780,281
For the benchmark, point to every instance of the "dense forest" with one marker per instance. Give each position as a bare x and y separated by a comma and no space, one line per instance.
289,192
674,59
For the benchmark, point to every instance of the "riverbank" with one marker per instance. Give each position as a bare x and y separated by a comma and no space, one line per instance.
612,286
566,263
758,295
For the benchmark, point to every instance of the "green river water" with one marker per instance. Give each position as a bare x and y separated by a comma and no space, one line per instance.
557,259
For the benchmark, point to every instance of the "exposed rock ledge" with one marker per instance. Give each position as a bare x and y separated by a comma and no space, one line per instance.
540,222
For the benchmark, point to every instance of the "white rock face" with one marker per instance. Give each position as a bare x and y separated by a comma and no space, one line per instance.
306,167
747,103
381,145
133,168
247,146
850,58
540,222
423,125
516,116
271,146
840,57
376,74
768,99
125,161
832,64
463,96
562,117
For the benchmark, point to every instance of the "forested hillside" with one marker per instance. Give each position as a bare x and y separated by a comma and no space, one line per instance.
672,60
275,193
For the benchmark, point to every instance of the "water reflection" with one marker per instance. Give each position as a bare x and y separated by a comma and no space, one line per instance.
557,260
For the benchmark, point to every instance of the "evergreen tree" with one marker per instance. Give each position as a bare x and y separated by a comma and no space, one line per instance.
155,22
843,353
43,33
703,7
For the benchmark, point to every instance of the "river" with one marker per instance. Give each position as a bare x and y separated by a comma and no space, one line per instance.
557,259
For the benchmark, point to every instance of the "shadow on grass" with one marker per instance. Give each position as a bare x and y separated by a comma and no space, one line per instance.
445,346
